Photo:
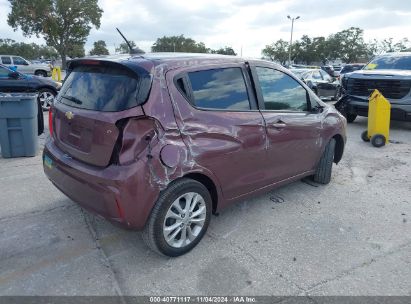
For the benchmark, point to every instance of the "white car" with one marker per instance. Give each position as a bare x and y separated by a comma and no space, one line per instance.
25,66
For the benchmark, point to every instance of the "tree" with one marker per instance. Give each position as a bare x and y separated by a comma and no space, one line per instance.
178,44
277,51
123,48
62,23
348,45
76,51
224,51
26,50
100,48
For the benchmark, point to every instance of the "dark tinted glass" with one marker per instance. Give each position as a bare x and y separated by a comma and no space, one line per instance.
100,88
280,91
219,89
19,61
6,60
390,63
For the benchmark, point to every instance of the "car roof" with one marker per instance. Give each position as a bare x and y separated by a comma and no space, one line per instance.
171,60
395,54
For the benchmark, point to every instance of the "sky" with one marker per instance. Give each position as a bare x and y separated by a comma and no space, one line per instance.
245,25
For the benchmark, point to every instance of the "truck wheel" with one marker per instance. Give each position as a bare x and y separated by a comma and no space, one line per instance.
323,173
364,136
179,218
40,73
378,140
350,117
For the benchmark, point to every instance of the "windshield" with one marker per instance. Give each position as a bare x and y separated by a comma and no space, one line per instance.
390,63
100,88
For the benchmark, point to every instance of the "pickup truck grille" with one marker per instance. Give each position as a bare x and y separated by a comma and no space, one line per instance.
395,89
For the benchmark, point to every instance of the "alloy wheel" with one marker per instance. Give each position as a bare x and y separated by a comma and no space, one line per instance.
46,99
184,220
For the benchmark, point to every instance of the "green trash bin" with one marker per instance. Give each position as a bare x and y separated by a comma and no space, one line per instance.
18,125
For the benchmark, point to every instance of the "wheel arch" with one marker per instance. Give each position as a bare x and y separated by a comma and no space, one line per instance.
208,183
48,88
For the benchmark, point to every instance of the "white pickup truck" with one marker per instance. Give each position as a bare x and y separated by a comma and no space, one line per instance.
25,66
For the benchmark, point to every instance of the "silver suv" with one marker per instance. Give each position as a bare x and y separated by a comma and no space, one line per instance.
391,75
25,66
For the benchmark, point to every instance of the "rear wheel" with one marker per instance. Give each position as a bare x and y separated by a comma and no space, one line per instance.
179,218
378,140
364,136
40,73
324,169
46,98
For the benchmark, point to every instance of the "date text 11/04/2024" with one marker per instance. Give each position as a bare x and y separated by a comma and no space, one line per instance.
203,299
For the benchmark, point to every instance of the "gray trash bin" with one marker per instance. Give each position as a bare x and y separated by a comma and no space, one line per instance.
18,125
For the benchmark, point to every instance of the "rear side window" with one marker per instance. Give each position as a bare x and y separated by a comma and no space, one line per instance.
5,60
222,89
100,88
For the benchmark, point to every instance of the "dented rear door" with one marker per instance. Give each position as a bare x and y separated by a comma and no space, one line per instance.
220,124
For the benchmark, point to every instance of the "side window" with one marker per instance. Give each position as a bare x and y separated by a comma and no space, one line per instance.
5,60
280,91
219,89
19,61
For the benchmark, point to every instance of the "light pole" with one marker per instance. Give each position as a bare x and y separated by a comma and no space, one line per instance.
291,39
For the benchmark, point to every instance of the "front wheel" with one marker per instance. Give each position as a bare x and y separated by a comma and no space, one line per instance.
378,140
179,219
323,173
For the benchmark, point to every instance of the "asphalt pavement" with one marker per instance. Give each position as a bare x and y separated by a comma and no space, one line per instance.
351,237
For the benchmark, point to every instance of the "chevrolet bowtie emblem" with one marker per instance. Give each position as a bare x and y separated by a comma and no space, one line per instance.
69,115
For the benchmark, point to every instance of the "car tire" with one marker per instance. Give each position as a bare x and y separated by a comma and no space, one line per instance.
40,73
171,217
350,117
364,136
378,140
323,173
46,97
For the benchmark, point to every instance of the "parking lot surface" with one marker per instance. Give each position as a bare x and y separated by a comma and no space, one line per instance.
351,237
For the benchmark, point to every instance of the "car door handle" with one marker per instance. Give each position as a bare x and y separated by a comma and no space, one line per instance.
278,125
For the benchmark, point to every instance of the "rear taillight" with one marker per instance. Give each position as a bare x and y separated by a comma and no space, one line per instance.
51,120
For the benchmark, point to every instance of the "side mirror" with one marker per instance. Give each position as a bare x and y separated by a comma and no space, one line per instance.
14,75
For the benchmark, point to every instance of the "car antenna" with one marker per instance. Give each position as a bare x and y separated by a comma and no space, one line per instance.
132,51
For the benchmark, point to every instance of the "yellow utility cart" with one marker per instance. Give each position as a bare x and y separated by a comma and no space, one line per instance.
379,112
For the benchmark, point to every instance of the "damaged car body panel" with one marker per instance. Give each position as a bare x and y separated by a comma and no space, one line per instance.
129,135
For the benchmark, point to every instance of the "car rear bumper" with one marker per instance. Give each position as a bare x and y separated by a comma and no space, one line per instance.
360,107
117,193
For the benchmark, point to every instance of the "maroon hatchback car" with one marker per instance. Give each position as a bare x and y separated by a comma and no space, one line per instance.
159,142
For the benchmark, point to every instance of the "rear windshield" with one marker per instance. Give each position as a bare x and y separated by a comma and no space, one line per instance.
100,88
390,63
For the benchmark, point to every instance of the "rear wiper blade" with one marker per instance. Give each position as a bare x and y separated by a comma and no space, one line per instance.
72,98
